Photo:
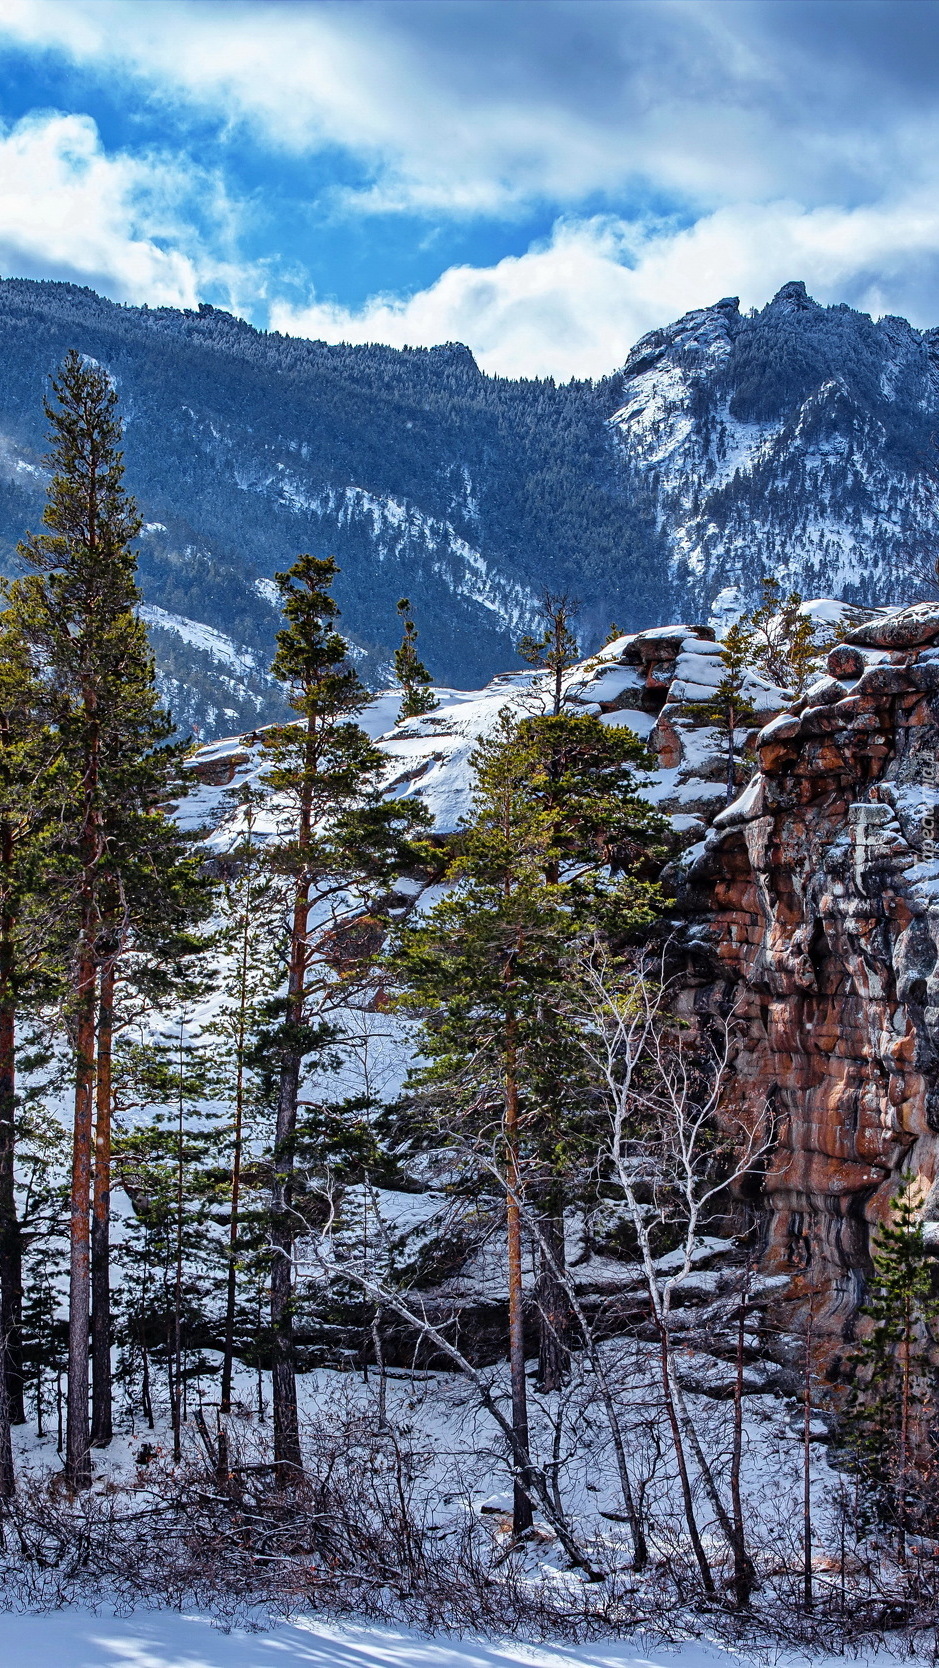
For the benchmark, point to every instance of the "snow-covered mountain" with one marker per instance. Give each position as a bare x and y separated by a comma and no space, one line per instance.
796,440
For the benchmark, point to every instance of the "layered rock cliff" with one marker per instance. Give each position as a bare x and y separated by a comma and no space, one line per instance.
815,906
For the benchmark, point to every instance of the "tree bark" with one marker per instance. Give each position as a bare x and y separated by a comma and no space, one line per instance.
807,1594
678,1444
11,1247
288,1464
7,1475
101,1397
77,1450
231,1282
521,1508
288,1461
743,1567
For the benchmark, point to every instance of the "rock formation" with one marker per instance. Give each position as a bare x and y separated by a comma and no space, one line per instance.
816,919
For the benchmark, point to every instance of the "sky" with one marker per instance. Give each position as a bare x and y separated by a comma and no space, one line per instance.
545,180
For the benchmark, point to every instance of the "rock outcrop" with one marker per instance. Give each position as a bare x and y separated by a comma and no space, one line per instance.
816,911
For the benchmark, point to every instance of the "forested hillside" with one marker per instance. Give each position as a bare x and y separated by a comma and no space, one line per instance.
419,474
796,441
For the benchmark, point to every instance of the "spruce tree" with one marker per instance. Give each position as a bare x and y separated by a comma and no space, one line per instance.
77,610
417,696
340,842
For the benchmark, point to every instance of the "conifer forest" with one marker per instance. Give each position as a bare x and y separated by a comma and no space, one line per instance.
383,1208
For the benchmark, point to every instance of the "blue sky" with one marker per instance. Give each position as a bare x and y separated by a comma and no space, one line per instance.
543,179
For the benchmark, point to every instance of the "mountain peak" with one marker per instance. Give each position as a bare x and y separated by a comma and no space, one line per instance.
793,294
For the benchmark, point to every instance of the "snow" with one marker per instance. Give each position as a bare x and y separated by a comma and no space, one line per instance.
200,636
167,1639
610,685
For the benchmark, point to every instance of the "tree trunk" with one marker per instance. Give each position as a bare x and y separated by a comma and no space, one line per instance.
743,1568
101,1399
807,1595
554,1309
679,1447
176,1376
11,1247
288,1462
521,1508
77,1451
228,1357
7,1475
731,761
232,1273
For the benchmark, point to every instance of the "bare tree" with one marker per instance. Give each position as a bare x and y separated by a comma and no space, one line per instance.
675,1147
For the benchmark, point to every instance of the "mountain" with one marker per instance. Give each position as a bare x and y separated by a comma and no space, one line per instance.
796,440
465,492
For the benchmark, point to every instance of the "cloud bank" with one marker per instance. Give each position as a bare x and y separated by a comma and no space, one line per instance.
681,149
575,307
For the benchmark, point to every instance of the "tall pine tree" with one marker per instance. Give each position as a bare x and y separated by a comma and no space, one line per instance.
340,844
78,612
892,1402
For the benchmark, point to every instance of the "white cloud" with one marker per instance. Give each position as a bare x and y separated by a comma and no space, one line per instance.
577,305
485,107
70,210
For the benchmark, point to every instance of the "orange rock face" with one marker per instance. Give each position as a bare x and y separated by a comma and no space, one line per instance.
817,903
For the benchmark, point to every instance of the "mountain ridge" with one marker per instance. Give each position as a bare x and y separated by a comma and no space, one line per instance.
795,440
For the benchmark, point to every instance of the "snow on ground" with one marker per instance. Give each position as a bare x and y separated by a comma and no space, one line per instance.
167,1639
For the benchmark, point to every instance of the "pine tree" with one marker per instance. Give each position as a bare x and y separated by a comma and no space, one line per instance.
580,776
34,788
783,638
248,942
341,841
410,671
485,971
892,1400
556,650
77,611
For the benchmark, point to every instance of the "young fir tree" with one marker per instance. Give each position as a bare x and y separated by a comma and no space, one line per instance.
153,894
341,846
77,611
485,970
555,650
417,696
729,709
892,1398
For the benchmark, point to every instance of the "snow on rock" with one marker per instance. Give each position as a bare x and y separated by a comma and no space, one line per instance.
649,681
